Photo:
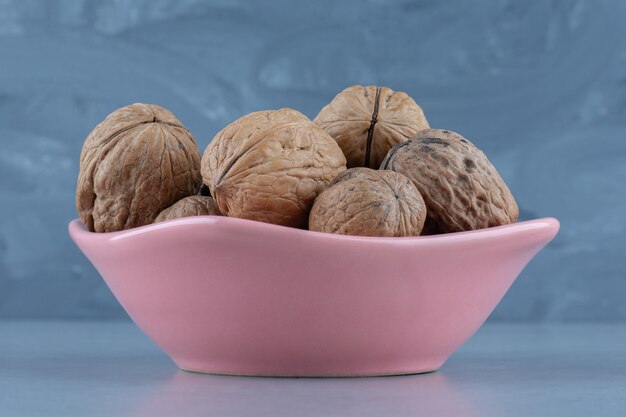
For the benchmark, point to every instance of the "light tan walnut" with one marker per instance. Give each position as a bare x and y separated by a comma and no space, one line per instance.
195,205
462,189
367,121
366,202
135,163
270,166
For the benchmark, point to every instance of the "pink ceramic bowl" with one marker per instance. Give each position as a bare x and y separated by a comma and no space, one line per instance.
231,296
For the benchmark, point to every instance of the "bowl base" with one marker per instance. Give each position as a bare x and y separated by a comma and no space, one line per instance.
307,375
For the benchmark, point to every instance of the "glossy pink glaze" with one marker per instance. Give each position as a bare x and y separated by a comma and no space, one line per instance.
231,296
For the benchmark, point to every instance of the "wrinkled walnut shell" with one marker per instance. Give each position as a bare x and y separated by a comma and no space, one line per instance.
134,164
462,189
269,166
195,205
368,121
365,202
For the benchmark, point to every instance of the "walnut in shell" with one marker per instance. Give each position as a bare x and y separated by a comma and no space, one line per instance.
194,205
367,121
269,166
137,162
366,202
462,189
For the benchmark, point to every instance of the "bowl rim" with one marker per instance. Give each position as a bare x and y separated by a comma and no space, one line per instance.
550,224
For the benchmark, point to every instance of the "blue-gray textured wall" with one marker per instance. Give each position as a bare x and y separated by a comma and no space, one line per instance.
539,85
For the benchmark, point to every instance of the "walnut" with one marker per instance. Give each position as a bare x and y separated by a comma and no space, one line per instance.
269,166
134,164
195,205
462,190
367,121
366,202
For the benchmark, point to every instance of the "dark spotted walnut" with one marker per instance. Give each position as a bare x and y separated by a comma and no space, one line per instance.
462,189
366,202
137,162
367,121
270,166
195,205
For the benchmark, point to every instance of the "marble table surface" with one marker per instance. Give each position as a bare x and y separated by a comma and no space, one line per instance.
111,369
